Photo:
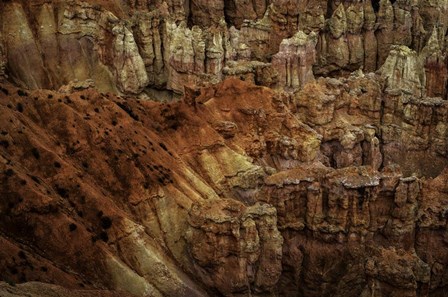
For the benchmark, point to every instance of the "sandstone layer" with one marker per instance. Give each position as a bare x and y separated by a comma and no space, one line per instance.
234,191
306,155
132,46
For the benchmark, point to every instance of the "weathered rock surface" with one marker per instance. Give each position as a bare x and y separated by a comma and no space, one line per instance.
236,190
127,46
329,178
36,289
295,59
226,236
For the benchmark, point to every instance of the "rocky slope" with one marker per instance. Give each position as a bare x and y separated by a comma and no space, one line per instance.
323,173
235,190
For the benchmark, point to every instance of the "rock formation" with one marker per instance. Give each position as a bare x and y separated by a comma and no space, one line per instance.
306,155
127,46
295,59
238,190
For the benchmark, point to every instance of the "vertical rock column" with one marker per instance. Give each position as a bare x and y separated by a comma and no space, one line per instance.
435,63
2,58
184,55
235,248
403,71
215,56
355,22
384,33
129,68
149,41
370,42
294,62
24,57
337,51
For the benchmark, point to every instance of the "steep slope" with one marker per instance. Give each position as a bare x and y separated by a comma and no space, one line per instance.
235,190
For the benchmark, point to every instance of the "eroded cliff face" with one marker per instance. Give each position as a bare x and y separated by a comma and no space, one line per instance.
307,156
235,190
129,46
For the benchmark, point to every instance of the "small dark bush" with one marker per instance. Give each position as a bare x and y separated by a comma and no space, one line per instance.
22,93
61,191
35,153
4,143
104,237
72,227
22,255
163,146
106,222
5,91
34,178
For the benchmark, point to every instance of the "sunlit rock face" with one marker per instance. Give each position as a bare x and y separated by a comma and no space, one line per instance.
129,46
223,148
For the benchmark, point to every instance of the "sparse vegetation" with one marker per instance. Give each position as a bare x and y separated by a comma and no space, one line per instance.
22,93
19,107
35,153
106,222
72,227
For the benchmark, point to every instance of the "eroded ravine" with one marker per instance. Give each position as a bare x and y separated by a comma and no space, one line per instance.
324,173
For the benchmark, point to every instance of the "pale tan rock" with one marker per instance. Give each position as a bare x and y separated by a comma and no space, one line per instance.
236,247
3,59
403,70
130,70
294,60
25,62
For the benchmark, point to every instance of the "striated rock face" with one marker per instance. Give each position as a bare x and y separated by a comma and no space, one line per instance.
3,60
303,151
85,41
36,289
127,46
295,59
235,190
236,248
403,71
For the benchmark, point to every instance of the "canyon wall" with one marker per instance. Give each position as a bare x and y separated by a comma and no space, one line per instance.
336,190
127,46
307,154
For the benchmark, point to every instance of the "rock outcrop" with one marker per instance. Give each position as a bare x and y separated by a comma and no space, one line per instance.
127,46
295,60
36,289
236,248
308,155
234,190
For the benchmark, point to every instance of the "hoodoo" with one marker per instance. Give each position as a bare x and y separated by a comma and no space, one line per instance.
223,148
